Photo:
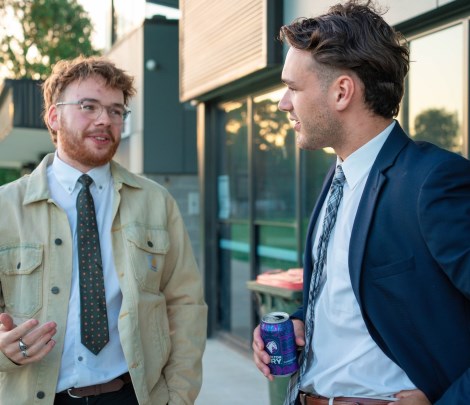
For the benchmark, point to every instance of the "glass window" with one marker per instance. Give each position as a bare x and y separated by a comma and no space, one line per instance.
435,90
273,231
235,299
233,161
277,248
274,160
314,167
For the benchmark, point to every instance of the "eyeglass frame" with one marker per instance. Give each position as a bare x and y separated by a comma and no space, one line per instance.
103,107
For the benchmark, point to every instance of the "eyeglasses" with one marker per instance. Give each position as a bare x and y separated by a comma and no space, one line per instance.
93,109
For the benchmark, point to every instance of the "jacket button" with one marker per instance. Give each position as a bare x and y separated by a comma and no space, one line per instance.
55,290
149,243
58,241
18,265
40,394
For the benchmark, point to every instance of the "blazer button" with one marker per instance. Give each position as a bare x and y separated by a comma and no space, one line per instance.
58,241
40,394
149,243
55,290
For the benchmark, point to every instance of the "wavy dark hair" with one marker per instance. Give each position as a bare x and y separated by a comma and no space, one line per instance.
354,36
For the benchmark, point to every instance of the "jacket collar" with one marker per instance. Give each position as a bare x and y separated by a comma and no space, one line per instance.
37,188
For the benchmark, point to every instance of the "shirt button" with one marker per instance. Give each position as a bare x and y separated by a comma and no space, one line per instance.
40,394
149,243
55,290
80,358
58,241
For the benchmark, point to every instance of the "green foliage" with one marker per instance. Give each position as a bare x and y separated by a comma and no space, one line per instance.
48,30
439,127
8,175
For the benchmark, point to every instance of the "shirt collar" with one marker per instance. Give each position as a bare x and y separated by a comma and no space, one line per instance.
358,164
67,175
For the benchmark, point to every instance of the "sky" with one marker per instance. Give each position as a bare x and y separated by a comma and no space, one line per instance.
98,13
98,10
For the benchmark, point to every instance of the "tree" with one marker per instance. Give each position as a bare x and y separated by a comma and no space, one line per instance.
45,31
438,126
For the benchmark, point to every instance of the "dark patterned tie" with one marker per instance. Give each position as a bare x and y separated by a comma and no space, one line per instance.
334,199
94,319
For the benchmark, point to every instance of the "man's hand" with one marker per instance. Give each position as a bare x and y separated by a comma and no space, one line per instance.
411,397
38,339
262,358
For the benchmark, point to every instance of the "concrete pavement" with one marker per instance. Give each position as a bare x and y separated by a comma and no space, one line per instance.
230,377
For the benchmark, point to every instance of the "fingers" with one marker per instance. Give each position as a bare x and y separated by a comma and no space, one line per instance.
299,331
36,341
261,358
412,397
35,352
257,338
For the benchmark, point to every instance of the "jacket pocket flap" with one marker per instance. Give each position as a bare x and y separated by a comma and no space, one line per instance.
20,259
151,240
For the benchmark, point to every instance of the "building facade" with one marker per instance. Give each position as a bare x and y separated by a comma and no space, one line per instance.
257,188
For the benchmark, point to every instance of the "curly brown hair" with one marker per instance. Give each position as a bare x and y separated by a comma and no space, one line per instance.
354,36
81,68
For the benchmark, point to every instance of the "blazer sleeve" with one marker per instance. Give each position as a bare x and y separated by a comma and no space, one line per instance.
444,215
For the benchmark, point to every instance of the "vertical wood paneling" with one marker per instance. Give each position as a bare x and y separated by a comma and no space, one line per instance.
220,41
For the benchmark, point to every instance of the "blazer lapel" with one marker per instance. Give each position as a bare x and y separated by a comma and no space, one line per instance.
376,180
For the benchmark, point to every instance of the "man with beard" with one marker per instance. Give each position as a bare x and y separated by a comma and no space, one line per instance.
101,300
387,259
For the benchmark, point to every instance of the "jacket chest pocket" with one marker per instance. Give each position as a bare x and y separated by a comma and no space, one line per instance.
21,277
148,248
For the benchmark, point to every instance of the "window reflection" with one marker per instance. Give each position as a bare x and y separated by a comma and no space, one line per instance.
274,159
435,91
234,297
233,163
314,167
277,248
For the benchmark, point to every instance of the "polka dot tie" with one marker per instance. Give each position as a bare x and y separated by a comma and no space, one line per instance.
93,318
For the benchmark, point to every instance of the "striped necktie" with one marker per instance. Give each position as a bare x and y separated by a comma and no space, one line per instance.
334,199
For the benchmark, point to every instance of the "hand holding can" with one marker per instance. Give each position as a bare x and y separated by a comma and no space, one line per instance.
277,332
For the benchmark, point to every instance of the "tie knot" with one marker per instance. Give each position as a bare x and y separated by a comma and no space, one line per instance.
339,178
85,180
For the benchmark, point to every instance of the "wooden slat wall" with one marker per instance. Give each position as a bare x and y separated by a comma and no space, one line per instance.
220,41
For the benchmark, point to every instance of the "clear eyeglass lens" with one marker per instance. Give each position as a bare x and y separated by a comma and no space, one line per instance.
94,110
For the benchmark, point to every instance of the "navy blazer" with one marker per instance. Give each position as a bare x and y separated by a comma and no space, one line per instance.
409,263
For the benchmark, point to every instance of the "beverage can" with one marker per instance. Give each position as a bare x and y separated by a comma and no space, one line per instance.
277,332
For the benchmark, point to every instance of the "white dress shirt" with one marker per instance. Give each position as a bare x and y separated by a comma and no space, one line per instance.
80,367
346,360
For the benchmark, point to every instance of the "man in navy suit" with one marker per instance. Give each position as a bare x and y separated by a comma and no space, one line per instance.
390,313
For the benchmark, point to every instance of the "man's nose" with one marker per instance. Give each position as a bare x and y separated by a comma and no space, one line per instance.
104,117
284,103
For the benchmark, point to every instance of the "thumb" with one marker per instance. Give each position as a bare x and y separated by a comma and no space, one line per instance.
6,321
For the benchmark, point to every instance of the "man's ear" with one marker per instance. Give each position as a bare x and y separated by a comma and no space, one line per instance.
52,118
344,88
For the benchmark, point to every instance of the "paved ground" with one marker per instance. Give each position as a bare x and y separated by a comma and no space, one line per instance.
231,377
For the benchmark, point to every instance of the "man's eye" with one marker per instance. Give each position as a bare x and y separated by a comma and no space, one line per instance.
117,112
89,106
